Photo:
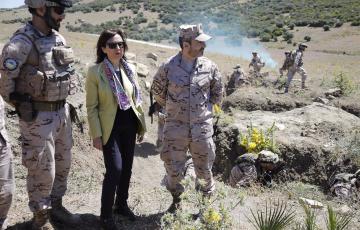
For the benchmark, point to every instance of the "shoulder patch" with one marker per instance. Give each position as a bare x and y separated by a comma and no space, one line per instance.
10,64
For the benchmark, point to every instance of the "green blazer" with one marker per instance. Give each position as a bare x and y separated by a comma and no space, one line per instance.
101,104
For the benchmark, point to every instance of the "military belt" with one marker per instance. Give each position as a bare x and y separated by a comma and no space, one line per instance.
49,106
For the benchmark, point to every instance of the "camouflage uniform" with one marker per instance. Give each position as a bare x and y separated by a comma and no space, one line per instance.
40,66
296,67
188,122
237,78
7,184
343,185
244,172
257,64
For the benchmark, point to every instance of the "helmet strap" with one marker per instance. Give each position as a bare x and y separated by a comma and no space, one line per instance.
50,22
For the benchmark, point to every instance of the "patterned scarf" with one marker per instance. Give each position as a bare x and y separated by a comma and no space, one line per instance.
117,87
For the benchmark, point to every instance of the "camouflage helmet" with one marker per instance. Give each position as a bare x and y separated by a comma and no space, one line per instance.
40,3
266,156
246,158
237,66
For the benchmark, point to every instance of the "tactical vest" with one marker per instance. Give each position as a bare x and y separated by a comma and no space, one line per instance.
47,74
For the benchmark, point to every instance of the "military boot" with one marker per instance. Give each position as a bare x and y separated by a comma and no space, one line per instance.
61,214
41,221
175,205
124,210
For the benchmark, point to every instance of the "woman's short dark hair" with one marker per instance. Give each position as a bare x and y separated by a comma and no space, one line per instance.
101,43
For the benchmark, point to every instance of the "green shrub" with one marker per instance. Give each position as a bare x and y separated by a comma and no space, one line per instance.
277,32
307,38
343,82
336,221
291,26
265,37
277,216
326,27
288,36
356,23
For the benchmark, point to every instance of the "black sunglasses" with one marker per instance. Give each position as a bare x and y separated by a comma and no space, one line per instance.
59,10
114,45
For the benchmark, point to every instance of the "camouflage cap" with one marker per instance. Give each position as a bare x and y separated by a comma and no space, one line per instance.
40,3
193,32
303,45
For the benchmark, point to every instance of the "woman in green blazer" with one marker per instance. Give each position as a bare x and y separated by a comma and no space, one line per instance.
116,120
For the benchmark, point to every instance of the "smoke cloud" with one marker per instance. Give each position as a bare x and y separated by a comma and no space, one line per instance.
243,49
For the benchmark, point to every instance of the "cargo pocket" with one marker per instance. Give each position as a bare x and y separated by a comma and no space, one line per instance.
31,155
63,55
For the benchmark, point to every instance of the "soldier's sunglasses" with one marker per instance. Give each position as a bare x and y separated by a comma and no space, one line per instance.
59,10
114,45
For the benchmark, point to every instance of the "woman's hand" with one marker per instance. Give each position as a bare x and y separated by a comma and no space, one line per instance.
97,143
140,138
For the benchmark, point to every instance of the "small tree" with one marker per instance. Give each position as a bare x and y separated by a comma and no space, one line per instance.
307,38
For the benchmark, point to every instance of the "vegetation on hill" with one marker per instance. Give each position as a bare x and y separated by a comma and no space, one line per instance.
269,20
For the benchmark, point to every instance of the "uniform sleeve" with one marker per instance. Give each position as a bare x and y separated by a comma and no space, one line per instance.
92,103
159,85
216,87
14,55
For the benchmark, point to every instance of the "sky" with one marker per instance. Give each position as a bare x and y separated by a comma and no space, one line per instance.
11,3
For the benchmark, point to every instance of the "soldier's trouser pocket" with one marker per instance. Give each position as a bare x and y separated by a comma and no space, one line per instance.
32,156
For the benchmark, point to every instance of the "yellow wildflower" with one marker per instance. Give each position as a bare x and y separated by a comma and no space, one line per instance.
212,216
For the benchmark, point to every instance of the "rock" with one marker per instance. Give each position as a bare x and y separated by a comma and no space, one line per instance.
336,92
344,210
131,56
142,70
311,203
152,56
321,100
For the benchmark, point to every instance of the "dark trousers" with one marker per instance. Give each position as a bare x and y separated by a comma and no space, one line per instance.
118,157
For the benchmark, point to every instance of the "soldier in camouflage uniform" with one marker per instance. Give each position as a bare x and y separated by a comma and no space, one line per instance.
187,85
37,77
256,63
237,79
7,184
296,66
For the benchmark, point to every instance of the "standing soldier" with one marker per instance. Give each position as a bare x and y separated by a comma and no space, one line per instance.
256,63
7,184
37,77
296,66
187,86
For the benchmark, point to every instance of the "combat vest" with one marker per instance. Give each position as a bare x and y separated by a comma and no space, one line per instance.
47,74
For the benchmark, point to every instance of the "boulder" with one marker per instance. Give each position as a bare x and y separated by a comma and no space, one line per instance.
152,56
131,56
142,70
